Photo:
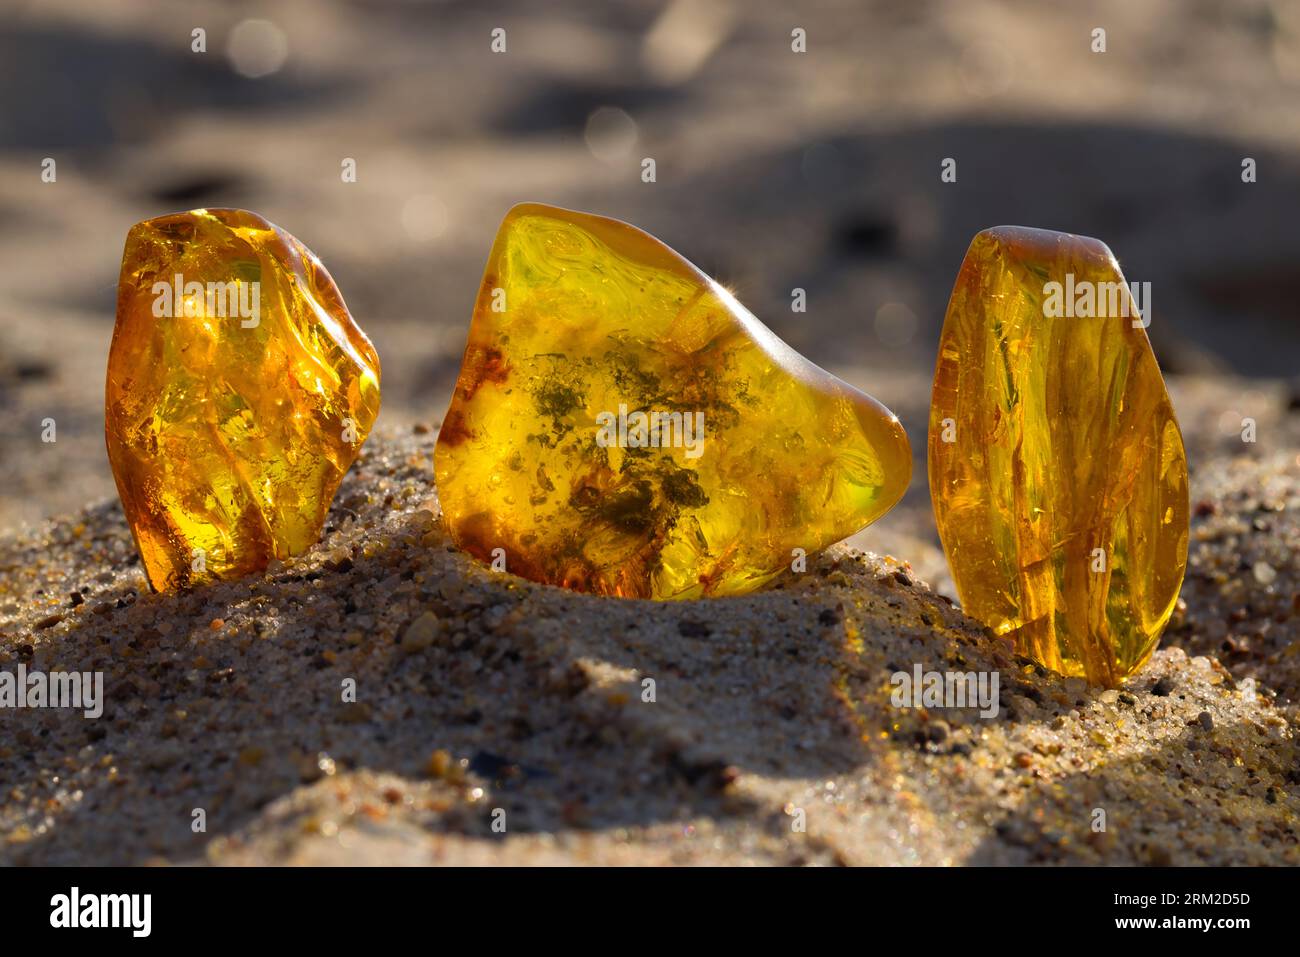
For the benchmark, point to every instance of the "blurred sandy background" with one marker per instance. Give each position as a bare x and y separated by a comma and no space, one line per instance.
775,169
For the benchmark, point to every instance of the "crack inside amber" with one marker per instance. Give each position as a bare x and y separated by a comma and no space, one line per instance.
239,392
1057,469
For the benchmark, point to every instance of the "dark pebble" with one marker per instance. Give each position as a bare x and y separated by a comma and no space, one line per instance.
1028,691
1206,720
489,765
711,773
830,616
689,628
1163,687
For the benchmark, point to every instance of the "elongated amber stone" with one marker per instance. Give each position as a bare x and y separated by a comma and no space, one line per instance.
1057,468
622,425
239,393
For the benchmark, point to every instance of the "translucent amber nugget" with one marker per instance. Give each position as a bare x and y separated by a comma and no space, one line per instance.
239,392
622,425
1056,466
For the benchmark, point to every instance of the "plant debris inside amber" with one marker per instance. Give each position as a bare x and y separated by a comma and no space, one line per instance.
622,425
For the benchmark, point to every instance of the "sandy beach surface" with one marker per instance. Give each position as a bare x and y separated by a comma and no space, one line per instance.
483,701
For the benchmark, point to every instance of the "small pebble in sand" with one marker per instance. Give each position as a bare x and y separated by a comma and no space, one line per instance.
420,633
1159,856
1206,720
1265,574
439,764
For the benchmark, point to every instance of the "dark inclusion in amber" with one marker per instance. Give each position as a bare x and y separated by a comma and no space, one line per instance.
622,425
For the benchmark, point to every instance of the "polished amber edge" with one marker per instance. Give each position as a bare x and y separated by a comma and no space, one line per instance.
1020,243
234,217
622,237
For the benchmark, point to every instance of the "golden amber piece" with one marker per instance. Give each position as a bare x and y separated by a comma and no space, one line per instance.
622,425
239,393
1057,469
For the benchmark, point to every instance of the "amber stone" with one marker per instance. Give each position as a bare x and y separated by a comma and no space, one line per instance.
622,425
1057,469
239,393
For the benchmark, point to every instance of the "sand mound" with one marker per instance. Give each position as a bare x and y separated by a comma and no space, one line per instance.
484,699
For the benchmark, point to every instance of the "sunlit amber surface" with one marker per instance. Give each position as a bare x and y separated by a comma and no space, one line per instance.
229,434
582,321
1062,499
